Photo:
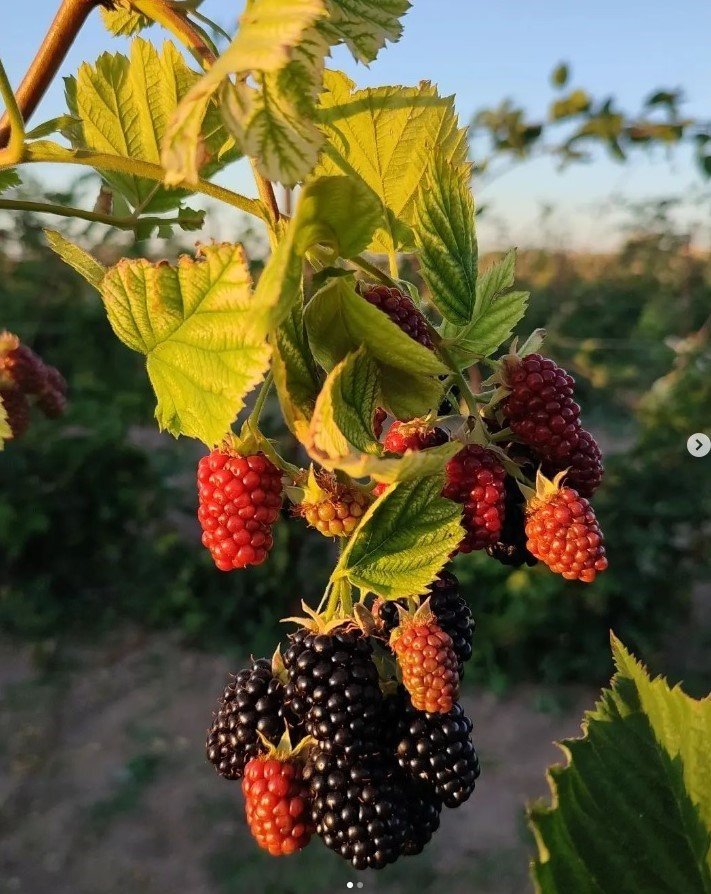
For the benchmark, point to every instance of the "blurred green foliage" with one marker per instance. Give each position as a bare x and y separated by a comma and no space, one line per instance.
97,511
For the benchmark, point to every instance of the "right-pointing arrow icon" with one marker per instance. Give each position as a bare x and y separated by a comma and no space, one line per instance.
699,444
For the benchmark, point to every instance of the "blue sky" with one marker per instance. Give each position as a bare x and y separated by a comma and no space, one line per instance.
484,52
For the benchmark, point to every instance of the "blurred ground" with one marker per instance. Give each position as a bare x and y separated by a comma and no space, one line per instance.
104,788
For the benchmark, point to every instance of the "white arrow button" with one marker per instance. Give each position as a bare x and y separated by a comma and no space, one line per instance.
699,444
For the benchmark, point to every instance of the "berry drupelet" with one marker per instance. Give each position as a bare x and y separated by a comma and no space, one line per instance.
334,690
475,478
252,704
17,409
240,498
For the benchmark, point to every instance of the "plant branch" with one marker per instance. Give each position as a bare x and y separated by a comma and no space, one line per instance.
261,400
70,17
460,379
120,223
103,161
13,152
176,21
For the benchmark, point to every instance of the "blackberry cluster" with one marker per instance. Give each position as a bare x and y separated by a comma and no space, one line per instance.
542,412
510,549
333,689
401,310
24,375
252,703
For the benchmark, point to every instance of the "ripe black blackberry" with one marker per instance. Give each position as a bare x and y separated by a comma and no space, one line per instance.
437,749
359,807
449,608
401,309
422,810
334,690
252,703
510,549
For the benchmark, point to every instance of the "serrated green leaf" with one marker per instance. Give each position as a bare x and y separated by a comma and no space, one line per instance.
269,123
495,280
339,321
9,179
445,236
489,330
403,540
631,809
365,25
202,331
336,213
343,417
385,136
81,261
407,395
295,374
124,107
124,22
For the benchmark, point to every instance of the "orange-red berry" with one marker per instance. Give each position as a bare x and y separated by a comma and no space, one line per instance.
563,532
240,498
277,805
336,509
477,480
428,662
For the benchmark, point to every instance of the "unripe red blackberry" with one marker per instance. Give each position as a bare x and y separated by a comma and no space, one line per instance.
563,532
437,749
358,807
414,435
401,309
277,804
17,409
240,498
541,411
450,609
332,507
251,705
510,549
334,689
427,660
475,478
25,369
55,379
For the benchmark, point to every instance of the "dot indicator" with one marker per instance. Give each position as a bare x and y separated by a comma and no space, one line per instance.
349,884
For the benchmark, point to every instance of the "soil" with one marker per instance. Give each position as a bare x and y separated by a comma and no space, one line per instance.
104,787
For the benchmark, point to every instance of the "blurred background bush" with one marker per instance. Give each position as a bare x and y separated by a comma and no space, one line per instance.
97,511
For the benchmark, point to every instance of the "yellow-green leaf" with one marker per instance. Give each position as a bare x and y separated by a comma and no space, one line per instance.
5,430
202,333
295,374
365,25
339,321
124,106
268,123
403,540
123,21
385,137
